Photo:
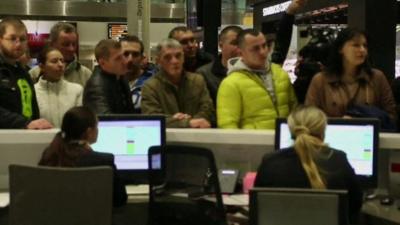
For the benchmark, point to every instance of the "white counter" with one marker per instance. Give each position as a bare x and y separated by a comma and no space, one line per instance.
197,136
241,149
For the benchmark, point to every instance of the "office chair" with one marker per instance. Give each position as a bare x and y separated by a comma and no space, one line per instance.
286,206
184,187
62,196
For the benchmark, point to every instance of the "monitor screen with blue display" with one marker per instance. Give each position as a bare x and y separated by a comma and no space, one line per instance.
128,138
358,138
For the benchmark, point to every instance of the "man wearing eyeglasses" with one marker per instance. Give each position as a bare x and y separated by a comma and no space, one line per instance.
107,92
137,75
194,57
18,105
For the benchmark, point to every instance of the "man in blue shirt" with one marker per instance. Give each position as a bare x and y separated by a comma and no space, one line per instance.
133,48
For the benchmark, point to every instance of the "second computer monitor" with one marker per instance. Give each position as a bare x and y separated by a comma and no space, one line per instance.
358,138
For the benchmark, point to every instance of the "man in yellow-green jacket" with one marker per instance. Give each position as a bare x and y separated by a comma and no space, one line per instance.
255,92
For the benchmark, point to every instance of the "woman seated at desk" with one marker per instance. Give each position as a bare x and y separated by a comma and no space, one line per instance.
71,148
310,163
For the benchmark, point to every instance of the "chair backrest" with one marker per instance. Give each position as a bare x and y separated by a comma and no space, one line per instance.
283,206
62,196
187,183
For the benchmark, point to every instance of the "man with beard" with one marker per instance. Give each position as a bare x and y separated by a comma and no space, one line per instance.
133,48
18,105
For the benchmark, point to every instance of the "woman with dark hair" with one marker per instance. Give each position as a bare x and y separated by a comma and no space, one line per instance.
71,148
54,94
349,80
310,163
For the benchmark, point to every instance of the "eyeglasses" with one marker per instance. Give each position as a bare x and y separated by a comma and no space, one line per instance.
132,53
15,40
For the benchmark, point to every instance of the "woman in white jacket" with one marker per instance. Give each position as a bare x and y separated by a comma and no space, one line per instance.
54,94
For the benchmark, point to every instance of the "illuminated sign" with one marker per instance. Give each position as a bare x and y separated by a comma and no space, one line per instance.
117,30
275,8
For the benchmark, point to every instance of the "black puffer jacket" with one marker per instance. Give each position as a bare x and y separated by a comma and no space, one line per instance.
105,94
13,81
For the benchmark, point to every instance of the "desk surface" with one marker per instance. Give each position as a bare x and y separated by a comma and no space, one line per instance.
387,212
206,136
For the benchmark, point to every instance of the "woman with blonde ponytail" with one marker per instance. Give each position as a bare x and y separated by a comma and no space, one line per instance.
310,163
308,126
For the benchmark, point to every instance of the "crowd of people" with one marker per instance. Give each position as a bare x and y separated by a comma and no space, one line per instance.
245,87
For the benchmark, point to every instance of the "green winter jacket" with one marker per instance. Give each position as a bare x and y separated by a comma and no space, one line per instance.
243,101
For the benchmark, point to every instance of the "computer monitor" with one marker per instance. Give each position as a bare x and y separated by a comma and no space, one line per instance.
358,138
128,138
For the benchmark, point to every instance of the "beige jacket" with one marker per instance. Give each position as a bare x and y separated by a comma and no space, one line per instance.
332,95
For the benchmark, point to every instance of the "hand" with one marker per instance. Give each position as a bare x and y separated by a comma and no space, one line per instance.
199,123
39,124
295,6
181,116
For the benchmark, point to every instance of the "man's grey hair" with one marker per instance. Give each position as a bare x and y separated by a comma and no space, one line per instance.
167,43
58,28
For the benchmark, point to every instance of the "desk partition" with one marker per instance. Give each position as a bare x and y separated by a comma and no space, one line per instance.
240,149
243,149
23,147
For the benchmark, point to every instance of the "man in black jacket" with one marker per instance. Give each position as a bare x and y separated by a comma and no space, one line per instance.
214,72
18,105
107,92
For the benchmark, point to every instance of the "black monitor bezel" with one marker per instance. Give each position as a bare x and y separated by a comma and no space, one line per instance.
367,182
136,176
